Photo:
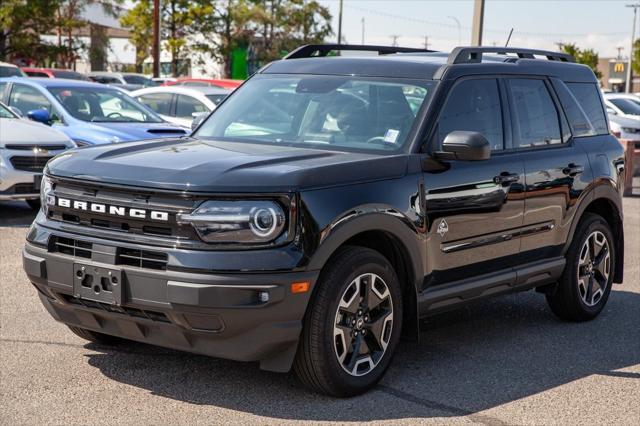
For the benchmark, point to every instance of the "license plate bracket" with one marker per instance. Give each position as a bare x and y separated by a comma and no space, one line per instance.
37,182
97,283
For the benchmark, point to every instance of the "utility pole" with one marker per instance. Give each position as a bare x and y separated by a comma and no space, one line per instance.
156,38
426,42
629,85
362,30
394,40
340,24
459,28
620,49
478,23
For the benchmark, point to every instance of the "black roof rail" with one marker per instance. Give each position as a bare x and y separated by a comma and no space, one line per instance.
473,55
310,50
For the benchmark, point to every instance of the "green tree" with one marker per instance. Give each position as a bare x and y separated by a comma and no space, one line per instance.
21,23
139,21
587,57
635,63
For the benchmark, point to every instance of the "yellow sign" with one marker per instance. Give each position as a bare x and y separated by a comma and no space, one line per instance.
618,67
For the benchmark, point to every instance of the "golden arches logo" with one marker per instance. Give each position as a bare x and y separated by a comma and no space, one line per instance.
618,67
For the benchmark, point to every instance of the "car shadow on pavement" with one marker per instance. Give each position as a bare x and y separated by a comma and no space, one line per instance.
16,214
469,360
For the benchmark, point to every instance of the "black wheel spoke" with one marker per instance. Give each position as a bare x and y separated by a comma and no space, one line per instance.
353,358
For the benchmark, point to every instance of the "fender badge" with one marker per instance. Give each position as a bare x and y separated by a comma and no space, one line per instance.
443,228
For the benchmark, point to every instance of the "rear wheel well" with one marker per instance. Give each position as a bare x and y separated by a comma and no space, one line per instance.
396,253
609,212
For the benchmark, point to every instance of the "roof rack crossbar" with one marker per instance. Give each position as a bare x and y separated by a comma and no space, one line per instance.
473,55
311,50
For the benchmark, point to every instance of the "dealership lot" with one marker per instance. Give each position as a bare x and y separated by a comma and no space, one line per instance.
502,361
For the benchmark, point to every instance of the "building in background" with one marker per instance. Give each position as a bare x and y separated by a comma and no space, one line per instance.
614,75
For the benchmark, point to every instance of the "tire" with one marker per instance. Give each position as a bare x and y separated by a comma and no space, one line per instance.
338,318
34,204
582,299
93,336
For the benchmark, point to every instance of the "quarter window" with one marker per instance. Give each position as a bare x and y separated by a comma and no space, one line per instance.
589,99
473,105
535,115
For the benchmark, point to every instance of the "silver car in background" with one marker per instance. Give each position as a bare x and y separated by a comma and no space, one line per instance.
25,148
181,105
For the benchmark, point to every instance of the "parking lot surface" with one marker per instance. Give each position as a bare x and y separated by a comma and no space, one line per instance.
502,361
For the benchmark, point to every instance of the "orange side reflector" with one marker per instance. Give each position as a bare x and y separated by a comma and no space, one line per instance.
302,287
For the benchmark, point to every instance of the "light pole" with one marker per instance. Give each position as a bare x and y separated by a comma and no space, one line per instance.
362,30
628,85
459,28
340,24
478,23
156,38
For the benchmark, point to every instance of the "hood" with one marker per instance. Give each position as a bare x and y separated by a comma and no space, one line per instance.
20,131
208,166
125,132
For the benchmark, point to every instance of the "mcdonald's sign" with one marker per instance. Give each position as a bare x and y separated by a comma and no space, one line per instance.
618,67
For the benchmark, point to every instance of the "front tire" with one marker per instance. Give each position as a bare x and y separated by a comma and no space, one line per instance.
353,324
585,285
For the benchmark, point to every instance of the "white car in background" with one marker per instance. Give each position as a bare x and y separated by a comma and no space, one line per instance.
181,105
623,110
10,70
25,148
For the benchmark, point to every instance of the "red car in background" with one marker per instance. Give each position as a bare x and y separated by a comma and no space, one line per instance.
217,82
54,73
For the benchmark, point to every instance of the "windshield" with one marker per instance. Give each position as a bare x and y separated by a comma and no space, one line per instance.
102,105
5,113
627,106
216,99
332,112
10,72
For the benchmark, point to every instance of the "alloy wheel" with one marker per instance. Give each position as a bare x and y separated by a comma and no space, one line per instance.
594,267
363,324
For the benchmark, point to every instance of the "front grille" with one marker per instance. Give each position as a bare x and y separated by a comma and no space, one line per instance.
147,259
132,312
29,164
36,147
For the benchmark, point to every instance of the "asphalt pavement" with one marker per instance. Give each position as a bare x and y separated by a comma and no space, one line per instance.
503,361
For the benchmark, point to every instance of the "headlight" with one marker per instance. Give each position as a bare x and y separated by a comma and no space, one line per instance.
630,130
46,198
242,222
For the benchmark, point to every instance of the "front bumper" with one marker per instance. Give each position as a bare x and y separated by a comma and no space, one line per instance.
221,315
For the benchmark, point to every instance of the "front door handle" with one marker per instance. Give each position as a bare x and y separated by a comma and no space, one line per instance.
506,178
573,170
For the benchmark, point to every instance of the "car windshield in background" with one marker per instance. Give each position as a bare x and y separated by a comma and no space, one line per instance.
332,112
216,99
5,113
10,72
627,106
102,105
138,79
71,75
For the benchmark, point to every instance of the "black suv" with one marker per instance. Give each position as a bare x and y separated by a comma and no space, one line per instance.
332,201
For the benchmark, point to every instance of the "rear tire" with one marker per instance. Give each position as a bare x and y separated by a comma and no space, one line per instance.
94,336
352,325
585,285
34,204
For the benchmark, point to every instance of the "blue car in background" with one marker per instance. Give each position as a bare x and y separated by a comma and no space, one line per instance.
89,113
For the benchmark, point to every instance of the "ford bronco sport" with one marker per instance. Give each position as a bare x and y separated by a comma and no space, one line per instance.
331,202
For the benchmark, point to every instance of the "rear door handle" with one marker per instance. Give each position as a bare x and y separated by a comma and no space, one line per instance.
506,178
573,170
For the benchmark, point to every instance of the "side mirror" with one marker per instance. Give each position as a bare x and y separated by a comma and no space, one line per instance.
198,118
16,111
40,115
611,111
466,146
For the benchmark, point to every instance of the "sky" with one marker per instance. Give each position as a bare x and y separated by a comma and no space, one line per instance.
602,25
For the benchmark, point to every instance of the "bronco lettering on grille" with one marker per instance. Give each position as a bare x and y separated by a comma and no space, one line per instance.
113,210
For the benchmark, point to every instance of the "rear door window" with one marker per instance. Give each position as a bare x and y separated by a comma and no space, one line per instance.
159,102
586,94
186,106
535,117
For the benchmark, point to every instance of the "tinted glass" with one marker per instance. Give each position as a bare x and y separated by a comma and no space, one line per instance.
27,99
580,124
72,75
37,74
332,112
627,106
102,105
138,79
159,102
474,106
536,118
186,106
10,72
589,99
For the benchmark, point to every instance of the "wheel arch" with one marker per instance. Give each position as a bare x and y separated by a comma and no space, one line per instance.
605,201
393,236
